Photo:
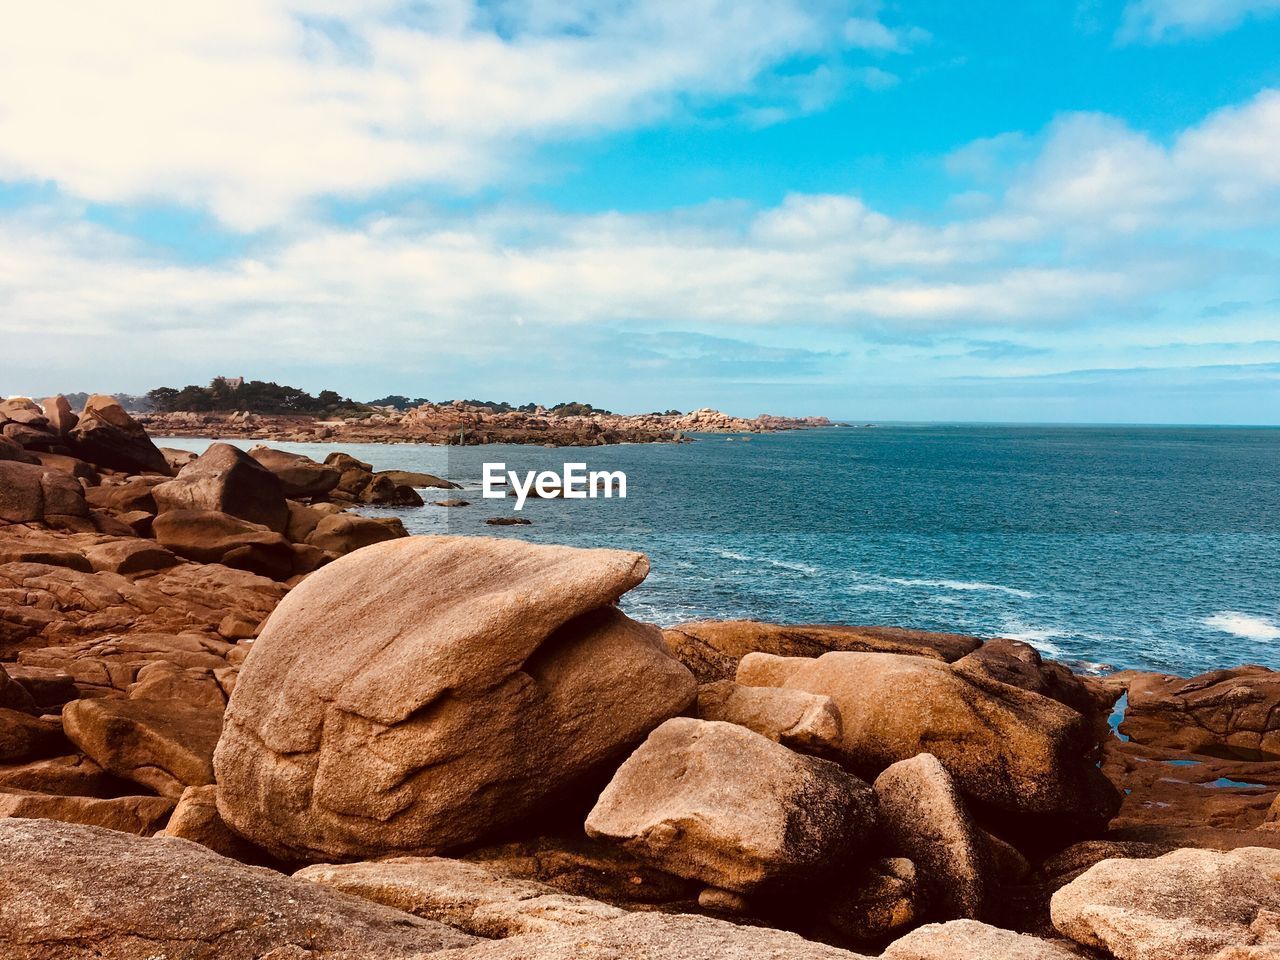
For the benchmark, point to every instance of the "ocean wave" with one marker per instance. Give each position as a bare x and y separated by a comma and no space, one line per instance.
961,585
769,561
1039,637
1244,625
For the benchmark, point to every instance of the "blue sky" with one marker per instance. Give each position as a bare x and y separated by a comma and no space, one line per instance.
1052,211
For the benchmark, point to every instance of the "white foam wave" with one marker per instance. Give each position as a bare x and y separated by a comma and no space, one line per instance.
960,585
1244,625
780,564
1038,637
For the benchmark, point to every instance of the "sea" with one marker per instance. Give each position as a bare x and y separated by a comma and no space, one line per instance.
1106,547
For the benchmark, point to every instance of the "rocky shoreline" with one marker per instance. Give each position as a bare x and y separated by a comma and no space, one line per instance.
240,720
460,423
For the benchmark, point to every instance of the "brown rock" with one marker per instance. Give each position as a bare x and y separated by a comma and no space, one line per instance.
1226,713
70,892
381,490
656,935
299,476
11,450
15,696
923,817
302,521
970,940
138,815
1020,665
42,605
69,465
463,895
165,745
1009,748
57,411
878,901
1185,905
718,803
712,649
494,675
587,868
22,410
227,480
341,533
30,493
196,818
211,537
129,557
130,496
236,626
24,737
410,478
802,721
71,775
178,458
162,680
107,436
47,688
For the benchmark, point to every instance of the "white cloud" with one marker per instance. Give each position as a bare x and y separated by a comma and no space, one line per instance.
1157,20
1101,230
251,107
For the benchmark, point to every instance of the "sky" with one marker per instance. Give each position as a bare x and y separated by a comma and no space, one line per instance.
1052,211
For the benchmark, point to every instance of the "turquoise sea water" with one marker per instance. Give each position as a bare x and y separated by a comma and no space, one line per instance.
1146,547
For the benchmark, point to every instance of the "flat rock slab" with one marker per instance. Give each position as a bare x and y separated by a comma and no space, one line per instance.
70,892
140,815
1185,905
655,936
463,895
718,803
970,940
166,745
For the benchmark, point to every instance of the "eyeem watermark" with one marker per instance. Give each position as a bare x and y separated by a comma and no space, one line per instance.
574,483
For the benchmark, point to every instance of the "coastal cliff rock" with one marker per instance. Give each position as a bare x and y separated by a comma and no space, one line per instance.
225,479
718,803
1226,713
208,536
107,436
1185,905
713,648
476,680
923,818
71,892
1006,747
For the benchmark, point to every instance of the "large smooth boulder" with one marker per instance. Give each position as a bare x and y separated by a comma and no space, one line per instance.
923,818
657,936
1226,713
33,493
464,895
71,892
165,745
107,436
1185,905
802,721
472,682
211,537
414,478
227,480
299,476
712,649
1008,748
718,803
970,940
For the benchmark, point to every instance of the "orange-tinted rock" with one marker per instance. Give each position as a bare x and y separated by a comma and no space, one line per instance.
299,476
342,533
225,479
493,674
1226,713
211,537
713,648
107,436
138,815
